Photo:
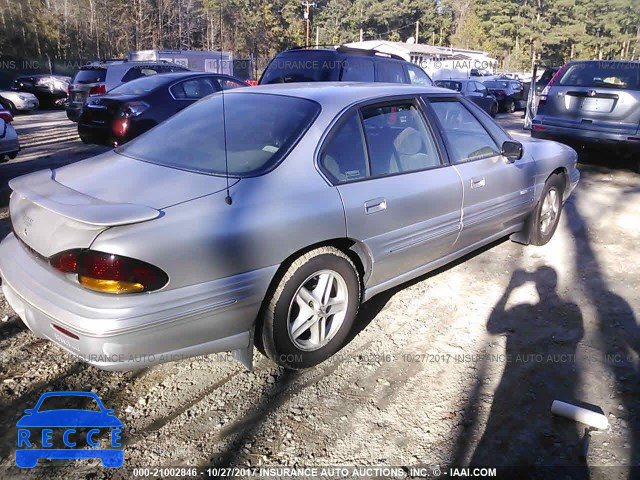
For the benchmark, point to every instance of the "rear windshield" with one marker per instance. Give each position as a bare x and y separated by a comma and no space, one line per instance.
302,67
624,75
260,131
90,75
457,86
141,86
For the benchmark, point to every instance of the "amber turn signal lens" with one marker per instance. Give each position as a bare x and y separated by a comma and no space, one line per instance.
110,286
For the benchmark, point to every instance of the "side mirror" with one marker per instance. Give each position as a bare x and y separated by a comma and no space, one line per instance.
512,150
29,411
3,127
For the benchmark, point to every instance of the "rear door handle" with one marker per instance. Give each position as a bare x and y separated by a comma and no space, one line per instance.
477,182
375,205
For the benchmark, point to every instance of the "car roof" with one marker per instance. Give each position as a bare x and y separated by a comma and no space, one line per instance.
340,93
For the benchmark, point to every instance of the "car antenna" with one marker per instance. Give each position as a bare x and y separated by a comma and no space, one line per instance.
227,199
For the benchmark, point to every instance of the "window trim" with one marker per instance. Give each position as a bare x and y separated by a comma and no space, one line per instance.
465,102
415,100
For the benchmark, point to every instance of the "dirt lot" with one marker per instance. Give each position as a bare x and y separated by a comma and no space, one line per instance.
459,367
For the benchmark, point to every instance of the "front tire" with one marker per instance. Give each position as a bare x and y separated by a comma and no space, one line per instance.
546,216
312,309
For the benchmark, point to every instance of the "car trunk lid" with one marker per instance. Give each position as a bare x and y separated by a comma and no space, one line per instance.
53,211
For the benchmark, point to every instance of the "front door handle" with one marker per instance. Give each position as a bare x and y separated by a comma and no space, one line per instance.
478,182
375,205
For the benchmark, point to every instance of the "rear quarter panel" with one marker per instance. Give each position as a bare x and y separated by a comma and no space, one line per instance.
271,217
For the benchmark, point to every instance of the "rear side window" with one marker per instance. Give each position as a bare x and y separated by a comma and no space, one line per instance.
138,72
357,70
603,74
417,76
90,75
389,72
344,156
467,139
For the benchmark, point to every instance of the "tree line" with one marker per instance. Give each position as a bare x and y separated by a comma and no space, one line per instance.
517,32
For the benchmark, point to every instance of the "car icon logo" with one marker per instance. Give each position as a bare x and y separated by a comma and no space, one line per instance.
49,431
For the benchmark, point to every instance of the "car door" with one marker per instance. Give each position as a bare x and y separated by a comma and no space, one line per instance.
498,193
189,91
400,198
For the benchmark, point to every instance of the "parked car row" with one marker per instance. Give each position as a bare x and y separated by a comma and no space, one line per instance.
100,77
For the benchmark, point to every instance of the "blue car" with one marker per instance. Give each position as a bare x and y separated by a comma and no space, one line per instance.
32,448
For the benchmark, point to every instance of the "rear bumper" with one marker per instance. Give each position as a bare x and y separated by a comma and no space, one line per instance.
127,332
74,112
579,137
100,135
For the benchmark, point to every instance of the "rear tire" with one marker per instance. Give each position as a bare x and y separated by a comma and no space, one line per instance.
312,309
546,216
12,155
494,110
9,105
510,106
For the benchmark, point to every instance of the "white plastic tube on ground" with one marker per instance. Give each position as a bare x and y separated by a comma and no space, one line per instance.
579,414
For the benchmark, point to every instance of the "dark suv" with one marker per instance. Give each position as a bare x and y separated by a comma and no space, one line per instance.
591,103
99,77
342,64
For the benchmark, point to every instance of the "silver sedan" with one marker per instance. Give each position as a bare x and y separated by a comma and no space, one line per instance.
267,216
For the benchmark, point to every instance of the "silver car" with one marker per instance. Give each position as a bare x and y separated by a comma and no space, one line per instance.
271,226
18,101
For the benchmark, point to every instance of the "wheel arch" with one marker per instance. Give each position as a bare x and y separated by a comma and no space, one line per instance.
357,252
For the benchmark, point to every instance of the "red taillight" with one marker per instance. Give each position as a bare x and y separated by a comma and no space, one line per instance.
537,127
66,262
104,272
6,116
501,93
545,91
98,89
120,127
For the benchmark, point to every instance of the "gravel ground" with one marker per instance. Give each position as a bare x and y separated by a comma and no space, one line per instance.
458,367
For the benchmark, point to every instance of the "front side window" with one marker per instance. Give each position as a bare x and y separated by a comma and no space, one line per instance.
467,139
260,130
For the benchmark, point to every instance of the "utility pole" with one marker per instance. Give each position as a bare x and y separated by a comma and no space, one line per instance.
417,31
307,6
317,37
